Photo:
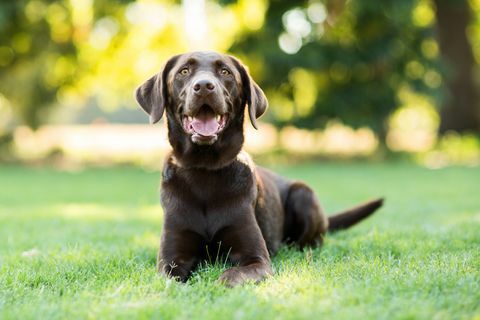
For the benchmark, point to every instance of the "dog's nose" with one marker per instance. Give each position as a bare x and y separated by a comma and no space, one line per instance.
203,86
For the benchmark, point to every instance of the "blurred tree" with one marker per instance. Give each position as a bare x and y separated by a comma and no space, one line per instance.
336,59
37,55
47,52
73,52
461,107
317,60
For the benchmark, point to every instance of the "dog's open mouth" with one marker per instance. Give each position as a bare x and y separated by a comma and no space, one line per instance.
205,125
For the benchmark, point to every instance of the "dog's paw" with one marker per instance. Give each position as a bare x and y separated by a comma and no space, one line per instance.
233,277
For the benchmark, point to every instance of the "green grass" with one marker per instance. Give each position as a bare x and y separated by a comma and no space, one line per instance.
83,245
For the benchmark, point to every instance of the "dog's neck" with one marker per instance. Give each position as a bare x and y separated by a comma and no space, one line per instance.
211,157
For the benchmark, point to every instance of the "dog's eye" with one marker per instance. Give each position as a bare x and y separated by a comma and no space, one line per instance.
184,71
225,72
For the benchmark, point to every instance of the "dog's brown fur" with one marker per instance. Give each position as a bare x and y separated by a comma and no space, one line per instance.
215,199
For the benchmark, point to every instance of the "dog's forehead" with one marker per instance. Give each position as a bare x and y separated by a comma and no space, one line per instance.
205,59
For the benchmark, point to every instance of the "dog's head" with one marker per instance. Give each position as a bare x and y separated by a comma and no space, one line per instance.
203,93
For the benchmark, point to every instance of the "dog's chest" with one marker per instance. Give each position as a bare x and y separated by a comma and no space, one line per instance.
206,201
209,188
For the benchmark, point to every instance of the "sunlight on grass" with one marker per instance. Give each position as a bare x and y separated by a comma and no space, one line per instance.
301,285
147,239
85,211
83,250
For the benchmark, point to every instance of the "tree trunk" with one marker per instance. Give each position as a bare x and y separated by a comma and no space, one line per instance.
461,109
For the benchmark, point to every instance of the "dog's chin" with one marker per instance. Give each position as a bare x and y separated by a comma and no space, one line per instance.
203,140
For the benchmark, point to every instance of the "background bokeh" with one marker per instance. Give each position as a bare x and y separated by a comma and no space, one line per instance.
365,79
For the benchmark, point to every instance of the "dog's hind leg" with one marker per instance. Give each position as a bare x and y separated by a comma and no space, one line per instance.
305,221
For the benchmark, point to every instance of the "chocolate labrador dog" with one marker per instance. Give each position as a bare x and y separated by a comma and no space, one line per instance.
215,199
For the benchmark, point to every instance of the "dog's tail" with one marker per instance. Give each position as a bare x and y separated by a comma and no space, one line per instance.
348,218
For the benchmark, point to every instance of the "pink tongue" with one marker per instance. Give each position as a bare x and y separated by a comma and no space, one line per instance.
205,127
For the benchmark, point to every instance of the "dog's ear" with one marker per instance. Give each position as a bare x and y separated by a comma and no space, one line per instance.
253,96
152,95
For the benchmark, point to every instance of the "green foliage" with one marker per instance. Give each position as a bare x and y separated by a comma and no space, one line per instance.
37,55
39,52
346,59
83,245
353,56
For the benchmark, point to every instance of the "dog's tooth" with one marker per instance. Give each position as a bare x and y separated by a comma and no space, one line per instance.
190,118
218,117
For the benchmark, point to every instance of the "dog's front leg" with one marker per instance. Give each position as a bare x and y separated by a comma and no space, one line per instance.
179,252
248,250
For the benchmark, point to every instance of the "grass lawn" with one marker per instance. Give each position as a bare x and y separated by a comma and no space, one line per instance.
83,245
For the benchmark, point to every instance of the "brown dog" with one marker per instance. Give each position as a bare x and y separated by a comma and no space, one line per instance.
215,199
